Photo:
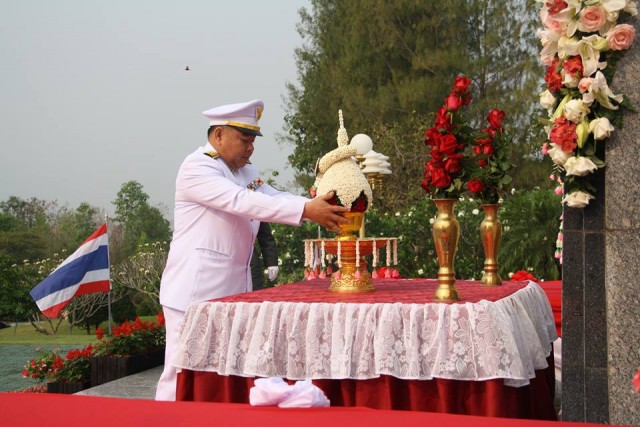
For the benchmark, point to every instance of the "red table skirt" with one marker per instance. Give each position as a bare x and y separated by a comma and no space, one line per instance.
487,398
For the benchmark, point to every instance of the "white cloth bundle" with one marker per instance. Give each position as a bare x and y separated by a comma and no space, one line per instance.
275,391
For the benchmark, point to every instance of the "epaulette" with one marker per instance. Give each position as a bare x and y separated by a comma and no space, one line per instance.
212,154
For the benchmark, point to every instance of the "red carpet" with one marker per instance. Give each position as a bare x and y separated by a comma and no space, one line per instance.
56,410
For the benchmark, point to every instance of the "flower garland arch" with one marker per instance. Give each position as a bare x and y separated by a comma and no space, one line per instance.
582,40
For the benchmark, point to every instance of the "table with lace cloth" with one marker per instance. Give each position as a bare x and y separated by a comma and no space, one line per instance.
498,337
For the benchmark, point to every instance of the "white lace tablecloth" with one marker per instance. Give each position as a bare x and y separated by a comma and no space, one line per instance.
509,338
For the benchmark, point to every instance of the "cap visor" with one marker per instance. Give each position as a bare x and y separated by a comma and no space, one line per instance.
247,131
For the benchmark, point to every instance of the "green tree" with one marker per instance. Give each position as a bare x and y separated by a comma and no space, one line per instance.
141,223
388,66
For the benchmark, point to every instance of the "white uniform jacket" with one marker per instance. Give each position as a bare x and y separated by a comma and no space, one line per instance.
216,219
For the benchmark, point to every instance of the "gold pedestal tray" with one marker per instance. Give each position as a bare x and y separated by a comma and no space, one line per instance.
351,278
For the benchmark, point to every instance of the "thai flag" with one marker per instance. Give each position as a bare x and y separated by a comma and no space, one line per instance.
86,271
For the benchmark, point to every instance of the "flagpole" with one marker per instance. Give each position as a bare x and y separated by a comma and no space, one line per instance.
106,220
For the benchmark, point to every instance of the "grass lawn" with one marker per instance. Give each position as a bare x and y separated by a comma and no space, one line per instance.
26,334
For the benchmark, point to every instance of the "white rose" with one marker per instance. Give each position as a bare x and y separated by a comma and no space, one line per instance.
601,128
614,5
557,154
547,100
579,166
575,110
577,199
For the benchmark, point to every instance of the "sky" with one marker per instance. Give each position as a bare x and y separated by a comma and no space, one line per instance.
95,93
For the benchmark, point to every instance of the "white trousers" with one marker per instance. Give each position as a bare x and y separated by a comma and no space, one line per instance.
168,380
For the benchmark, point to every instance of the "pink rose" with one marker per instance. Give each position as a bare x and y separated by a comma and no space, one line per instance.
592,18
621,37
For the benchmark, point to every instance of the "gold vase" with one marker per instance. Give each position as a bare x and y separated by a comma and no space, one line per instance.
491,235
446,234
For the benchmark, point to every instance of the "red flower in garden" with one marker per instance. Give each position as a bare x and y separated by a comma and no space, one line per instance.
522,275
99,333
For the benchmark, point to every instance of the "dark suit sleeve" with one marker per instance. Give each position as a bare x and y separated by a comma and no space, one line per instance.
267,245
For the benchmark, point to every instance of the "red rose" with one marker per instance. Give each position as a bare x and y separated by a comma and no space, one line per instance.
440,178
482,163
447,144
487,140
475,185
461,84
453,102
477,150
443,119
488,149
495,118
435,154
452,164
430,136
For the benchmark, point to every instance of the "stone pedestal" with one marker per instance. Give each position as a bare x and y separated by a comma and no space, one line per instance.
601,278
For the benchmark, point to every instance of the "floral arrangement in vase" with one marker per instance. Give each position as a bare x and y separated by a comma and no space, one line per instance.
582,43
492,154
444,172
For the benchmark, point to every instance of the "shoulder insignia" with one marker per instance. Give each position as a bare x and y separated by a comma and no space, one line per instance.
255,184
212,154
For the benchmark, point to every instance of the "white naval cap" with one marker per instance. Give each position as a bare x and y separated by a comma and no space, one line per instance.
243,116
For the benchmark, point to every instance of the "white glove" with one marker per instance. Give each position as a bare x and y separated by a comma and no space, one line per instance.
273,272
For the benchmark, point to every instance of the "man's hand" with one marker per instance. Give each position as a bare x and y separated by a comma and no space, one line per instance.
319,210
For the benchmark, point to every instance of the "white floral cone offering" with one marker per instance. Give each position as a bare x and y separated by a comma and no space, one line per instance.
305,395
269,391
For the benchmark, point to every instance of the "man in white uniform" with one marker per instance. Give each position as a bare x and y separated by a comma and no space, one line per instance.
219,204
